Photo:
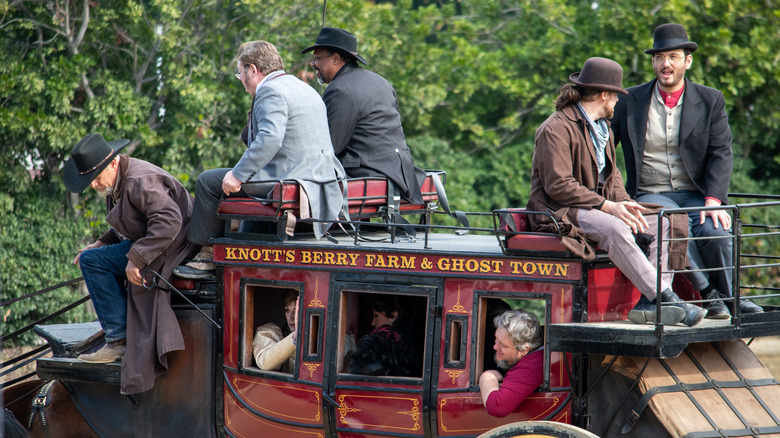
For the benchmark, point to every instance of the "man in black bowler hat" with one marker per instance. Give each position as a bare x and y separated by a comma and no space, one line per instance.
677,143
574,176
365,125
149,215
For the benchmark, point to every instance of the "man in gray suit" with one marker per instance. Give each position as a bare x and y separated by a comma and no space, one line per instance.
288,139
365,125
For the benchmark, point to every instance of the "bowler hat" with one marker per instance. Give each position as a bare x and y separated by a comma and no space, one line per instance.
87,159
330,37
600,74
671,36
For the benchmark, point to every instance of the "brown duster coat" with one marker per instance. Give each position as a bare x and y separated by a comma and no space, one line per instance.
151,208
565,177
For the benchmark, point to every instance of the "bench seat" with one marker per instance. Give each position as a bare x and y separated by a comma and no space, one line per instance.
366,198
513,222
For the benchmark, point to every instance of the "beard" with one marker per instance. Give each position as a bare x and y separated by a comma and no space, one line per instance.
105,191
503,364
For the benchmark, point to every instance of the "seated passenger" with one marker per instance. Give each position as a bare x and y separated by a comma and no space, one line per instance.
519,350
288,139
387,350
574,175
274,347
365,125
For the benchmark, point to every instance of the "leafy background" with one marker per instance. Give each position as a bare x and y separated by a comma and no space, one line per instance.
474,79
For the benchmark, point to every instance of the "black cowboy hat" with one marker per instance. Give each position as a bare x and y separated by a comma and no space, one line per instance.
333,38
600,74
671,36
87,159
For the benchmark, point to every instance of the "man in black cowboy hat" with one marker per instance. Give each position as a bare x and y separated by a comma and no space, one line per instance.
574,175
677,144
365,125
149,214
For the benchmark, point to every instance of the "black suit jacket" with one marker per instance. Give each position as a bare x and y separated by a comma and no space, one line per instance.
705,136
365,128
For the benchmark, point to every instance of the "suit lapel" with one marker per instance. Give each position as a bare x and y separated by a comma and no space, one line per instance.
636,118
690,118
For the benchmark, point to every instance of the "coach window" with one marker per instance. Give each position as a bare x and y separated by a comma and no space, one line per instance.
382,334
265,323
489,308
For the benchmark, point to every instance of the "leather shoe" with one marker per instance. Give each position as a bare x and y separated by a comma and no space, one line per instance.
716,309
693,314
110,352
644,312
747,306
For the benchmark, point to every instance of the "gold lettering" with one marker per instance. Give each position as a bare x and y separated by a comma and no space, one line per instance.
444,264
514,267
529,268
230,253
289,256
380,262
353,259
472,265
243,253
545,268
306,257
407,263
317,256
370,260
392,262
254,254
457,265
497,265
341,259
561,270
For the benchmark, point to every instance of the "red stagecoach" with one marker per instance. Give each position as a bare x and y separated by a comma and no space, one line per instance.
600,371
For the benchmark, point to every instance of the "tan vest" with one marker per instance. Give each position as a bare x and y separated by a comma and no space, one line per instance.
662,166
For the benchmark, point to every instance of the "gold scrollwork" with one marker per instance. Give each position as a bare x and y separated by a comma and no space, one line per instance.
454,374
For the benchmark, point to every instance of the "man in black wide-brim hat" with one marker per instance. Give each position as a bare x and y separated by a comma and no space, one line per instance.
365,125
149,214
677,148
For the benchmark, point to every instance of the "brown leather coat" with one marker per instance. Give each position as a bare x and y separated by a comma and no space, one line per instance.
565,177
151,208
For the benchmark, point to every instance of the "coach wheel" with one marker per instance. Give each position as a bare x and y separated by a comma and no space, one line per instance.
531,429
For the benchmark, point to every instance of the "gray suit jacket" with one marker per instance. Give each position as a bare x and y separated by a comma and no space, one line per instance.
705,136
366,131
289,139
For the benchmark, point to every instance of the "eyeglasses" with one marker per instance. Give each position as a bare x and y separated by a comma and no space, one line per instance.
674,58
238,75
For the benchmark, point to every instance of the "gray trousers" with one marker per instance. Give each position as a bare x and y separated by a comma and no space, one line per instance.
205,224
615,237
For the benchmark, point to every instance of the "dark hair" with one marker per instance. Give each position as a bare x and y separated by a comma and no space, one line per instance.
571,94
290,296
385,304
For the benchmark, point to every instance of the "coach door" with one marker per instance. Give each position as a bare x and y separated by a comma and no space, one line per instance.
375,384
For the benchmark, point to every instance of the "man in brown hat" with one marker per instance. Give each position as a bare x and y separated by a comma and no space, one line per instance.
365,125
574,176
677,144
149,212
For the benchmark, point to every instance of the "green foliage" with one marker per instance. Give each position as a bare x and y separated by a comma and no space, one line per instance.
39,238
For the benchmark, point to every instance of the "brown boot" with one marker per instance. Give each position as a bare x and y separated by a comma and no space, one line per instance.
110,352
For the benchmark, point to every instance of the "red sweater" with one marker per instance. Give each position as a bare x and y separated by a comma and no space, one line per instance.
520,381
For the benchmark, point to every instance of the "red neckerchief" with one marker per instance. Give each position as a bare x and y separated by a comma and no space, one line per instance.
671,99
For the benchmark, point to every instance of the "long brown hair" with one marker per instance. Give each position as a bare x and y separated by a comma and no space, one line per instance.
571,94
